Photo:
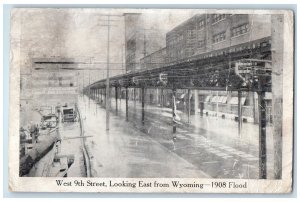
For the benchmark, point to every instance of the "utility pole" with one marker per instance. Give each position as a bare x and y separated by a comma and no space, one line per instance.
82,82
107,75
107,98
217,104
89,88
145,43
123,45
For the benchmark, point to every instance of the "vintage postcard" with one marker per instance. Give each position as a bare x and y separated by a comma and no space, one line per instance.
151,100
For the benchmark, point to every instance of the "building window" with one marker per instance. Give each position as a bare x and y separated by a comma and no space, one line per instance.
191,42
189,52
181,53
236,31
59,81
201,24
131,45
180,37
191,33
201,43
219,37
218,17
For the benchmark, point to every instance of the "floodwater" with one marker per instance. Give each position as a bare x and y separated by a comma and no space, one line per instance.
124,151
207,147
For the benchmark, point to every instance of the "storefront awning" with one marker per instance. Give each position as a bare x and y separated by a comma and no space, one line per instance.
223,99
214,99
235,100
219,99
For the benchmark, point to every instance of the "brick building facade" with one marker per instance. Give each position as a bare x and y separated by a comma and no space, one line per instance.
209,32
204,33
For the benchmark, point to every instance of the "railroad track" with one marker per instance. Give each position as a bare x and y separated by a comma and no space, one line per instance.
86,156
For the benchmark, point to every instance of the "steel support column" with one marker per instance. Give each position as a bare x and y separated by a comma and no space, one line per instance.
189,105
196,101
262,135
143,105
98,95
104,92
173,109
120,97
107,108
134,97
89,96
201,108
116,94
162,97
126,98
240,119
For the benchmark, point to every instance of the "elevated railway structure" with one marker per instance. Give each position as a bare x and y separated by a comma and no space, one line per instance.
244,67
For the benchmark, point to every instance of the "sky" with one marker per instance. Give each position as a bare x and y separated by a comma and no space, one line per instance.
80,34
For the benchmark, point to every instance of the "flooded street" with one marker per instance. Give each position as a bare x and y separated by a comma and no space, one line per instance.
208,146
115,100
125,151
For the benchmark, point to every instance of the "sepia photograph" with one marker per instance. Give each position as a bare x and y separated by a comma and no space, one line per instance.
151,100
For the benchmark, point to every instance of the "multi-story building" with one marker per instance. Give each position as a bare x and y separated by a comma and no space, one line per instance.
48,82
154,60
201,34
141,39
52,82
209,32
133,42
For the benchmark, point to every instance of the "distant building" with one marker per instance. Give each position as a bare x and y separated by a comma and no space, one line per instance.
47,83
141,39
133,46
154,60
54,81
